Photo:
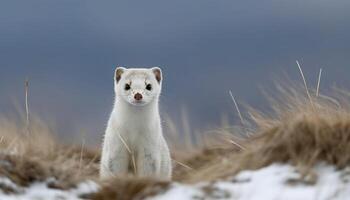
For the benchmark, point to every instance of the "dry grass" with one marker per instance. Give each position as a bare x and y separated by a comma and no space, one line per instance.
39,156
124,188
303,129
197,160
299,131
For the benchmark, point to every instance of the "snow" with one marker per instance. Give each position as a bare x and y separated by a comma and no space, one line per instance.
272,182
277,181
40,191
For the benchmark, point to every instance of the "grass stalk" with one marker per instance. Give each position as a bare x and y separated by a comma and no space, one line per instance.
305,84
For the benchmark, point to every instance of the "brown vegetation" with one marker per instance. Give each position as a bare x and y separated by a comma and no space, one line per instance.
302,129
124,188
39,157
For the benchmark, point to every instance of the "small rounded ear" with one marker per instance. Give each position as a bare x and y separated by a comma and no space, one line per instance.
157,73
118,73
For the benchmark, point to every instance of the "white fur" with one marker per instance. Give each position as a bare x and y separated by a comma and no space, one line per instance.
138,125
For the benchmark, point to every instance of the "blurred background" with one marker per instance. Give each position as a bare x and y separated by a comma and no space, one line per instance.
68,49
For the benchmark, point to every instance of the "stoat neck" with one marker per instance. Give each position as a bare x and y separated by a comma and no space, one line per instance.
147,112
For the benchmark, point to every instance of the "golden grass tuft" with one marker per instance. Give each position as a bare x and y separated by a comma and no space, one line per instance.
125,188
40,156
297,132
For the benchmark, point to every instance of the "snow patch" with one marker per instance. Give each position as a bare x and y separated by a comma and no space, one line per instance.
40,190
273,182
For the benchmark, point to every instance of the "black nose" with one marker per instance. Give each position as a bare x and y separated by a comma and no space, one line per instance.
138,96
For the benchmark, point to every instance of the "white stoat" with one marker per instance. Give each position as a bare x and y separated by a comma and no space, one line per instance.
134,140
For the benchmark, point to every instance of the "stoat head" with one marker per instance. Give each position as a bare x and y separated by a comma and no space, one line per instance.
138,87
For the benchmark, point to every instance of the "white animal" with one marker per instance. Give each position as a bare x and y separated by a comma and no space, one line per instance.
134,141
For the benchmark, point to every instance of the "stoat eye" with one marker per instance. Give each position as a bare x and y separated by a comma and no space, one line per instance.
127,87
149,87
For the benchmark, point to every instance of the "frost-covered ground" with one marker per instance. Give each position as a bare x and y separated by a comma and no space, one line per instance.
273,182
41,191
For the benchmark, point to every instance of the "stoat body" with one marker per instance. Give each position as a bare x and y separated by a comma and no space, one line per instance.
134,142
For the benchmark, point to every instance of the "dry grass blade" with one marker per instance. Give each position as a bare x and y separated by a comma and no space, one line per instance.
183,164
81,156
124,143
318,83
130,153
237,108
238,145
239,113
134,163
26,86
305,84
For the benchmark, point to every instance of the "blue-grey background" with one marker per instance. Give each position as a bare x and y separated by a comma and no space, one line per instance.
69,49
